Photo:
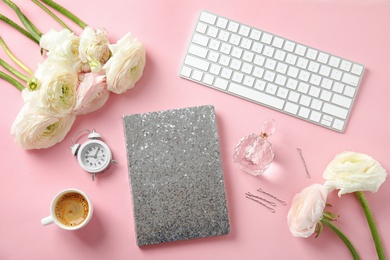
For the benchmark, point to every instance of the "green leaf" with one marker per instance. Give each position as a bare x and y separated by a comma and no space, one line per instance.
319,228
330,216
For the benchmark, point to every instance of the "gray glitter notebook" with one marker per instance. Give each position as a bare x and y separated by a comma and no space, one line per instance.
175,174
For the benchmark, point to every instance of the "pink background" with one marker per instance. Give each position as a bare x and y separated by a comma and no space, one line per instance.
355,29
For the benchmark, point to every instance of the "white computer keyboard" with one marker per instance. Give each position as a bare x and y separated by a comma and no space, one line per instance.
272,71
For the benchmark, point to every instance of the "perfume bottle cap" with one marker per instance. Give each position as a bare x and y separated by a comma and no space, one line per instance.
268,128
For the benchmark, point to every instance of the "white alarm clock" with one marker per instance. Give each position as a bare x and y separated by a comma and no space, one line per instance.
94,156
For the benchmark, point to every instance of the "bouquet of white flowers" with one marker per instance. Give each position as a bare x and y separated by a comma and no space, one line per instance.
348,172
77,76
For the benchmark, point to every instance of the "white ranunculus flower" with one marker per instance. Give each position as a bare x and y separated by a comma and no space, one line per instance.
57,93
34,129
126,65
306,210
350,172
93,48
62,46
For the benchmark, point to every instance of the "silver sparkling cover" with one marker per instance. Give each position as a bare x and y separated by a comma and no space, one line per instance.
175,173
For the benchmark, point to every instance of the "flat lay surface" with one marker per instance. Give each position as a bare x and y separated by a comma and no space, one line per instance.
356,30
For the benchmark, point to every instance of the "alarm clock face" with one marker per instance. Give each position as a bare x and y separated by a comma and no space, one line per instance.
94,156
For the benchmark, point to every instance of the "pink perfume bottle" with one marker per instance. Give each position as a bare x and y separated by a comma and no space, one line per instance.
254,153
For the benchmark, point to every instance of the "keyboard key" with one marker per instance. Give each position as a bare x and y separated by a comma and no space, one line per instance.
255,34
222,22
291,108
305,100
214,44
226,73
349,91
289,46
294,96
244,30
237,77
223,35
315,116
342,101
350,79
271,89
323,57
357,69
278,42
221,83
335,110
300,50
198,51
266,38
201,27
233,26
334,61
249,81
304,112
212,31
208,79
345,65
257,96
208,18
338,124
326,95
185,71
282,92
312,54
272,71
213,56
197,63
197,75
200,39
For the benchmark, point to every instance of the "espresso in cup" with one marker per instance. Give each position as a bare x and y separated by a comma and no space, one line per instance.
71,209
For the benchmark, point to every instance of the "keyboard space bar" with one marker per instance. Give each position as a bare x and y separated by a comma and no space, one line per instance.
256,96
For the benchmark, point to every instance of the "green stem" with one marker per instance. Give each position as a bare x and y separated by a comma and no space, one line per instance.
17,27
371,223
65,12
343,237
13,71
11,80
2,43
51,14
26,22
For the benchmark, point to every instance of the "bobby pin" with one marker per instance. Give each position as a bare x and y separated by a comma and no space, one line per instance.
272,196
304,163
261,203
260,198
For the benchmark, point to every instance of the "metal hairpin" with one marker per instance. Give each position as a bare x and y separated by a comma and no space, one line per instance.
272,196
304,163
260,198
261,203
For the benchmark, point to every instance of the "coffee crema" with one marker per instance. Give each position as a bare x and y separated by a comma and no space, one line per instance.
71,209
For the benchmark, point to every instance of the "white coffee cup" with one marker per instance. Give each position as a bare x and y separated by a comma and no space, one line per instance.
70,209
